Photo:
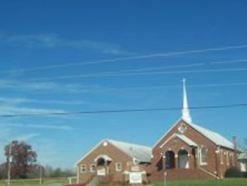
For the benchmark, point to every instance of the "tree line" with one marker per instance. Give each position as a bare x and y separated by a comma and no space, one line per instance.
21,159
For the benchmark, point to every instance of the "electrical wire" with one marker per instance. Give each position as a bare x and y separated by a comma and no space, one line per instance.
122,110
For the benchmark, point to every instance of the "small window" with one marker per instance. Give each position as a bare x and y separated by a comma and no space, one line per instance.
135,161
118,166
221,157
232,159
93,168
203,155
227,159
83,169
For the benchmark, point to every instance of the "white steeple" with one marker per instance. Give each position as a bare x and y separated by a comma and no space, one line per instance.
185,111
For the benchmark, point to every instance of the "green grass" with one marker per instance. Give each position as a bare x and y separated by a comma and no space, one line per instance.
35,182
225,182
63,181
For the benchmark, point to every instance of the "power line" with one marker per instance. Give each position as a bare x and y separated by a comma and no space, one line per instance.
136,57
123,110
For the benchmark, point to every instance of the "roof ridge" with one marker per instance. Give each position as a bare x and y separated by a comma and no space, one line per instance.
210,131
223,141
128,143
186,139
139,152
199,127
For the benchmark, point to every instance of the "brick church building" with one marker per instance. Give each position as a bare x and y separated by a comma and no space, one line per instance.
186,151
114,161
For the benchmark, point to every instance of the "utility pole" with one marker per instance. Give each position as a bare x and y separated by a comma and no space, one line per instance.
165,178
40,174
9,163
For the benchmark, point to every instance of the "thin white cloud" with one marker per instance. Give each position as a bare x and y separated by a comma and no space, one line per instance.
13,109
48,86
139,57
14,101
55,41
27,137
81,76
41,126
27,85
20,100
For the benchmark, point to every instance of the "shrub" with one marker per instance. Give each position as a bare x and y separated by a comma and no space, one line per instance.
245,174
233,172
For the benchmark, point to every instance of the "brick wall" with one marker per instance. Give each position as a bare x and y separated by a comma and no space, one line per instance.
214,165
114,153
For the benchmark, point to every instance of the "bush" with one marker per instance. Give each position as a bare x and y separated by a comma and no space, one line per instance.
245,174
233,172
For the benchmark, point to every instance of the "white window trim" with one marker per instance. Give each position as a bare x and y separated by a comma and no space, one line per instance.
232,159
117,166
81,168
243,167
135,161
228,159
222,157
200,156
91,168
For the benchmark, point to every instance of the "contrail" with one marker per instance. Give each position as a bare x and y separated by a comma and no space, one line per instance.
191,85
148,56
229,61
163,68
143,73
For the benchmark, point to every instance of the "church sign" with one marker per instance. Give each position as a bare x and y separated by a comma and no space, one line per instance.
135,177
101,172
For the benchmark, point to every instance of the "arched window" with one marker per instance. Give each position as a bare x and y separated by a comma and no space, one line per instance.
101,162
203,153
183,159
169,160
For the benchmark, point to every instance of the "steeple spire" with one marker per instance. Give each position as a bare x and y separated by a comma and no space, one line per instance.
185,111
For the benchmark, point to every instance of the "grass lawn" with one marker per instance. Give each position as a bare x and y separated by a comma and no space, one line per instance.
225,182
62,181
35,182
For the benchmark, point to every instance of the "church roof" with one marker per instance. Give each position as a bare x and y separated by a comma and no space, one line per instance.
216,138
213,136
139,152
243,156
181,137
186,140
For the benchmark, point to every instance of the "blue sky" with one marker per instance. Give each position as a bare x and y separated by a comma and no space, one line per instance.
95,55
